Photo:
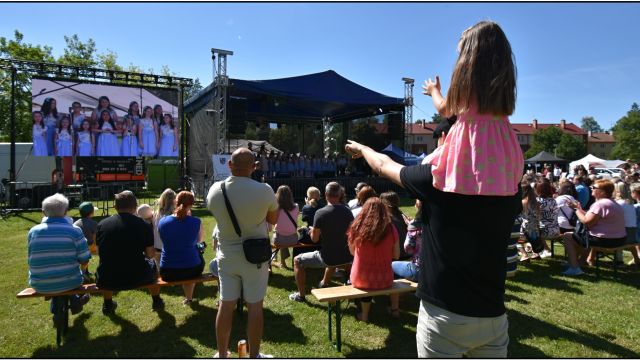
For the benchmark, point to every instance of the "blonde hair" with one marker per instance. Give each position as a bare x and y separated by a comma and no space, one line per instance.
622,192
166,203
313,195
144,211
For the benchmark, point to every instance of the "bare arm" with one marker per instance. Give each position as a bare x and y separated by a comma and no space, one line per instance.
315,234
585,217
380,163
432,88
150,252
201,234
396,249
272,217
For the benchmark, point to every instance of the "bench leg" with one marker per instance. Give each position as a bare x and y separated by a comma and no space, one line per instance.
597,266
338,327
552,247
61,317
330,327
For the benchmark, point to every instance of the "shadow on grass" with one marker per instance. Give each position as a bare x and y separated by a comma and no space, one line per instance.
522,327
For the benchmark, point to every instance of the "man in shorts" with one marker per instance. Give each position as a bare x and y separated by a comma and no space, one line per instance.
330,227
254,204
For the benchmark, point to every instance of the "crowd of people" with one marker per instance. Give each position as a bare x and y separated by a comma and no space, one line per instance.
609,208
149,133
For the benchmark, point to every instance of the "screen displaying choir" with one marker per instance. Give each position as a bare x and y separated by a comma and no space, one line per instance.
141,132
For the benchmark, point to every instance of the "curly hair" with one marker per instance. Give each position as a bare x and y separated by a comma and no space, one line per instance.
371,225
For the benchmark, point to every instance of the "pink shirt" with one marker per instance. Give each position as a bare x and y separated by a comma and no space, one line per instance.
284,226
480,156
611,222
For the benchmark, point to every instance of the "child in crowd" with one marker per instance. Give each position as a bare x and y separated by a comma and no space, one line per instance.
481,154
64,138
623,197
147,134
373,242
39,133
169,137
86,143
530,225
145,212
412,246
286,230
89,228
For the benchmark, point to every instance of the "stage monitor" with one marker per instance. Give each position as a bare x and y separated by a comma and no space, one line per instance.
83,119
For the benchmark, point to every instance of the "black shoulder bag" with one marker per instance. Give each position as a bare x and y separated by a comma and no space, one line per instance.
256,251
572,220
303,232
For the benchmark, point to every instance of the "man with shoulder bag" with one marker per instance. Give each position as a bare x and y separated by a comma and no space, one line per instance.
242,208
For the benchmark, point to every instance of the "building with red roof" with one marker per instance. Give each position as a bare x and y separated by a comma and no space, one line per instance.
600,144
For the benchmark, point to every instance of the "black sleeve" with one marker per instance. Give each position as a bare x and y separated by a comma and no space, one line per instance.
317,220
147,232
417,180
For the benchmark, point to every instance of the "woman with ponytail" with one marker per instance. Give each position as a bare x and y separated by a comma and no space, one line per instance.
181,235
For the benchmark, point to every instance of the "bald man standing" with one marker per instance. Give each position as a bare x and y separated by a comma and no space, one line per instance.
254,204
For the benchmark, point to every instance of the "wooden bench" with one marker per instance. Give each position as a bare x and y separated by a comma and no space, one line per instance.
61,307
609,253
335,295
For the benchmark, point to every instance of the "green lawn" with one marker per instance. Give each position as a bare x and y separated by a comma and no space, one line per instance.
549,316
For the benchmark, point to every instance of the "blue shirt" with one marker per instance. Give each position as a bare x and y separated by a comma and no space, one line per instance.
179,238
55,251
583,195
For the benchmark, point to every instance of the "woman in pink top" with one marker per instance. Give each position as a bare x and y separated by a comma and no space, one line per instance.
286,231
605,221
373,241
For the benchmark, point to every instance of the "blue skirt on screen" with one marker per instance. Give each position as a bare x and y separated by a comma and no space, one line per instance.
149,142
65,147
108,145
166,146
130,145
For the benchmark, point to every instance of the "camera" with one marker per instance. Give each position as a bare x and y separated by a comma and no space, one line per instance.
201,246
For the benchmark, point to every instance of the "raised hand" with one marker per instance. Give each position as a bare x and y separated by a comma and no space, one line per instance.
430,85
354,149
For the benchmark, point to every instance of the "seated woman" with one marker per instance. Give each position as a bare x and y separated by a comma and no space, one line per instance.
566,196
180,234
412,246
312,204
398,218
373,241
605,221
549,227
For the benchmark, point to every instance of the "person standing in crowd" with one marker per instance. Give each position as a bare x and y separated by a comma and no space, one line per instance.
548,214
77,117
622,196
126,249
286,230
166,206
363,195
353,203
56,250
51,120
129,146
466,172
63,143
181,233
107,139
89,228
39,134
148,134
566,197
605,221
255,205
330,227
169,137
557,171
86,143
373,242
391,200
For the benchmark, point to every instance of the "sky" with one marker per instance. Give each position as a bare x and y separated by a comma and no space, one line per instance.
573,59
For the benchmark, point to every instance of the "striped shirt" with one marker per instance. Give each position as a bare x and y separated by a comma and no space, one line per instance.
56,249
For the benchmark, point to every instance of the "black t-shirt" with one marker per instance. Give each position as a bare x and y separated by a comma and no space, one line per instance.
333,222
122,240
308,213
463,245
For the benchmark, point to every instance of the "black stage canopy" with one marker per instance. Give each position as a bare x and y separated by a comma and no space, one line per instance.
543,157
308,97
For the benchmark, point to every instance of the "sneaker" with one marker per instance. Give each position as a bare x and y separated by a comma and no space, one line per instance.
573,271
81,302
296,297
545,254
264,356
109,309
158,304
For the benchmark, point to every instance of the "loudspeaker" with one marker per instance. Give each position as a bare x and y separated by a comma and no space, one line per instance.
394,126
237,115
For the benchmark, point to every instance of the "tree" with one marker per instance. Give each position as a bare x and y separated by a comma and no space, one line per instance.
436,118
78,53
193,90
590,124
364,132
627,135
419,121
554,141
570,148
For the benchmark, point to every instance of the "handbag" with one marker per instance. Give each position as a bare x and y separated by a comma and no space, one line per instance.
256,250
581,235
535,241
303,233
573,219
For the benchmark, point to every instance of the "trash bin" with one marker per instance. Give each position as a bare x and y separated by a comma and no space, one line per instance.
171,174
155,175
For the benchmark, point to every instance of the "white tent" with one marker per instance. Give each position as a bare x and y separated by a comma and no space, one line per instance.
591,160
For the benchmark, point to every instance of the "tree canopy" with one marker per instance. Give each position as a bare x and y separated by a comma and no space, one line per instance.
554,141
590,124
627,134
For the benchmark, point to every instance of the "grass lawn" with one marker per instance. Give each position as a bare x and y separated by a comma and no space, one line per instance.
549,315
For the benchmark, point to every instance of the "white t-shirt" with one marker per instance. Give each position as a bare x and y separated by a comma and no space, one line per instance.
563,202
250,200
630,220
352,204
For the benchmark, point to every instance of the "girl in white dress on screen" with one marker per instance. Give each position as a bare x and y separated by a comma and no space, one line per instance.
77,117
85,144
134,113
169,137
64,138
129,146
51,120
148,134
158,116
107,140
39,132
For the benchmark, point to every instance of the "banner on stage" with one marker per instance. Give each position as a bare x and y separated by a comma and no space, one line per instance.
221,170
